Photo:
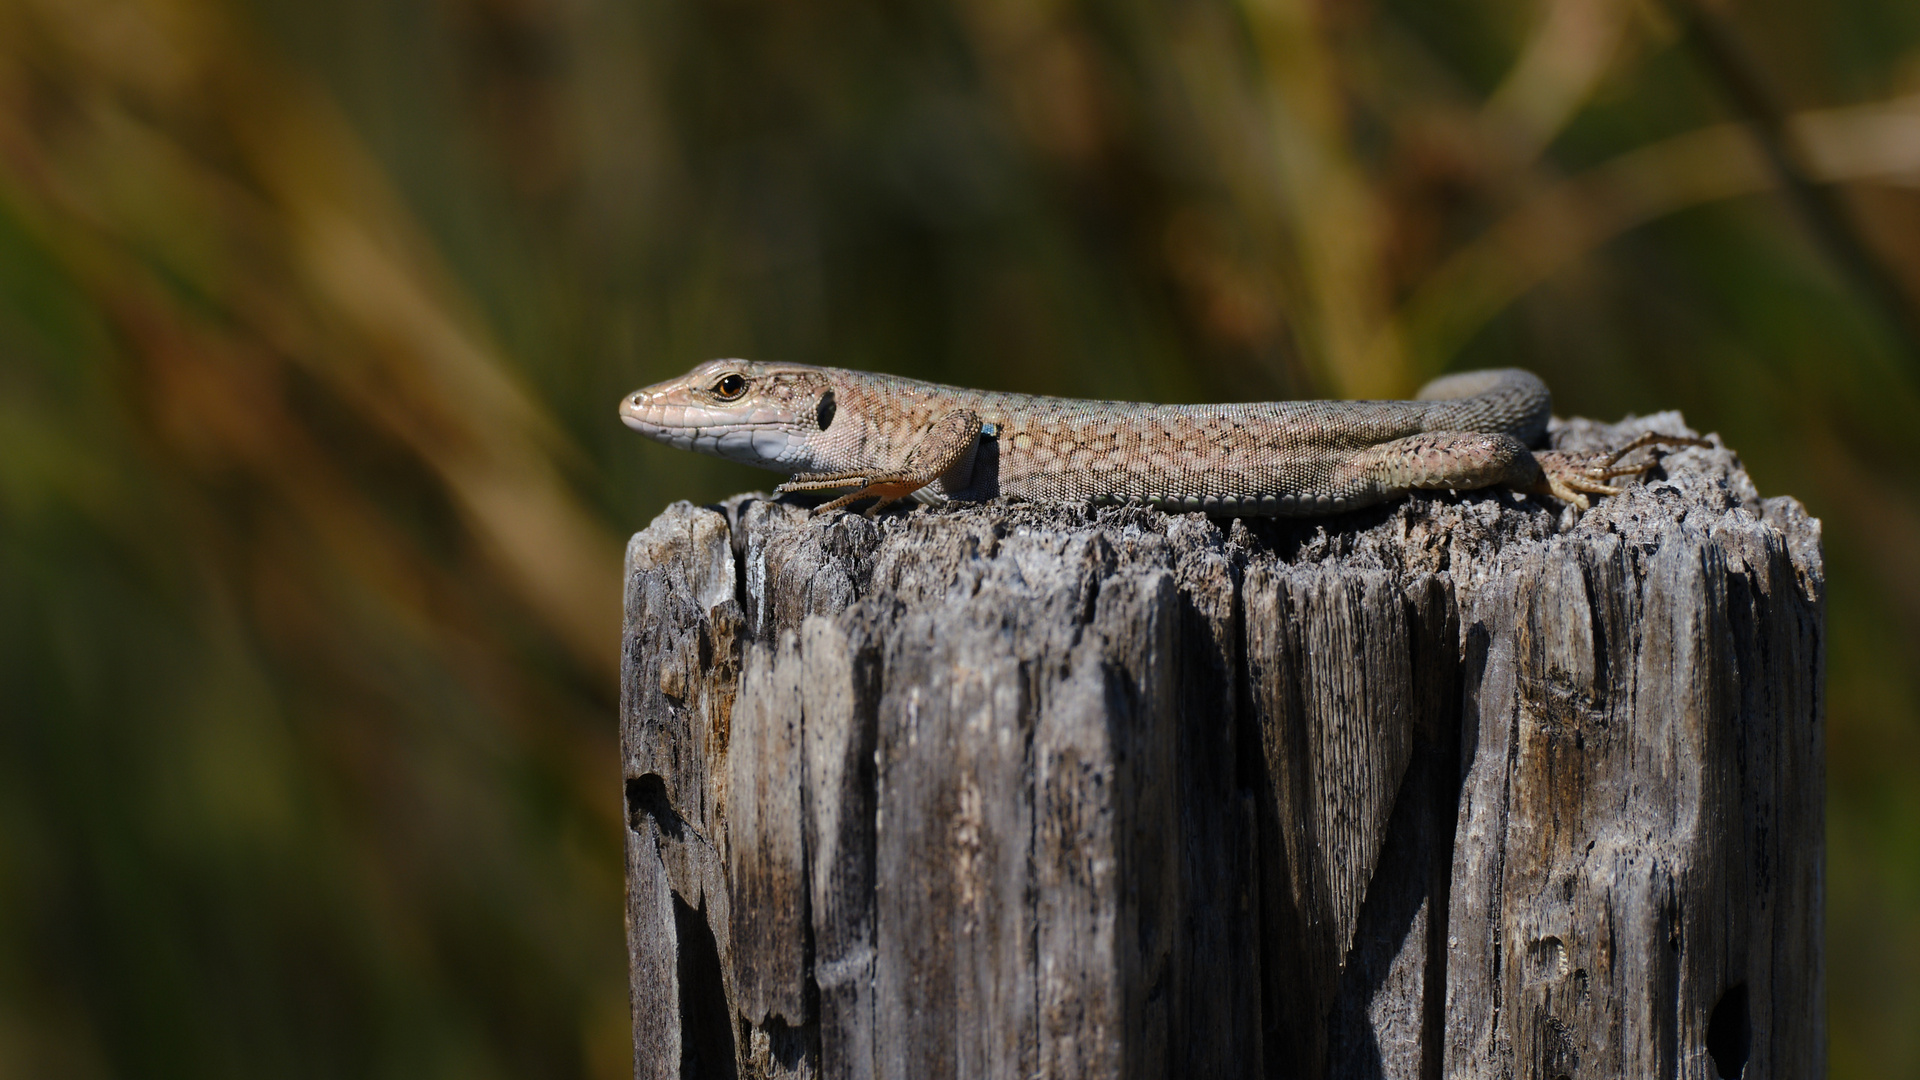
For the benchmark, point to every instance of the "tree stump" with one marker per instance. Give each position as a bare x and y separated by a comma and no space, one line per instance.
1461,787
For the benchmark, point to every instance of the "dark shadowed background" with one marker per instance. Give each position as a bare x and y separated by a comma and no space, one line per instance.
314,316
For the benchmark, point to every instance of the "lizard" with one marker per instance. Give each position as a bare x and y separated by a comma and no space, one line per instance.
888,438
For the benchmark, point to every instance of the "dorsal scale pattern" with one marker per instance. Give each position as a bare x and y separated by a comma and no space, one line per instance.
1290,458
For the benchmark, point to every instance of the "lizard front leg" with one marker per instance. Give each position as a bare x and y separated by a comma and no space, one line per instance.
943,445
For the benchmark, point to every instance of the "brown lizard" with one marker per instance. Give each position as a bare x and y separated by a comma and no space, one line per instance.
889,438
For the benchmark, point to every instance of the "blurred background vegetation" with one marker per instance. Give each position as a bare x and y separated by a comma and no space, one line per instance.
313,319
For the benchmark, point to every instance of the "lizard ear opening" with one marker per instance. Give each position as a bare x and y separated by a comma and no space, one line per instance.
823,413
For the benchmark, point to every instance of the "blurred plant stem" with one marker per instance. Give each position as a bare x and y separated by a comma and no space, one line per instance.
1565,222
1806,188
1330,213
315,264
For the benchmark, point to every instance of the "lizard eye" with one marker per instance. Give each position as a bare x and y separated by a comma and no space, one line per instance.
730,387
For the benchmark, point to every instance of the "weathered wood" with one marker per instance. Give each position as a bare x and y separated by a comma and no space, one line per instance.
1457,787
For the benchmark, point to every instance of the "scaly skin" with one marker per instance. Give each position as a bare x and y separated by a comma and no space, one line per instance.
890,438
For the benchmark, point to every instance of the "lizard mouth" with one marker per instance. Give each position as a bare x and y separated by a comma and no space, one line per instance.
658,419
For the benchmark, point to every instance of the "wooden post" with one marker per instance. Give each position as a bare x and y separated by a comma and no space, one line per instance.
1457,787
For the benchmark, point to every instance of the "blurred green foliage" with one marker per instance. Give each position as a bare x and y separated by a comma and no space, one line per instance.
313,318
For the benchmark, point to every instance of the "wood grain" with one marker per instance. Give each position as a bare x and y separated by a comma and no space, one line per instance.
1456,787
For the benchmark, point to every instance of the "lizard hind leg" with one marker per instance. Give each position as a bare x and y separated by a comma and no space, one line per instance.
1443,461
1571,477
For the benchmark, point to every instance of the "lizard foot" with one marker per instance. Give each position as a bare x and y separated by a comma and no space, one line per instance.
886,488
1572,477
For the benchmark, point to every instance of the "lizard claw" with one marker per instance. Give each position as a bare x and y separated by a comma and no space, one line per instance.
1572,477
887,488
822,481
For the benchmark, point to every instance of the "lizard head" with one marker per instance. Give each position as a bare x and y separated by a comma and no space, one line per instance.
757,414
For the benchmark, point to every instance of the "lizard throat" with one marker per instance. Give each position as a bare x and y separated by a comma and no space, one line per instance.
770,446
